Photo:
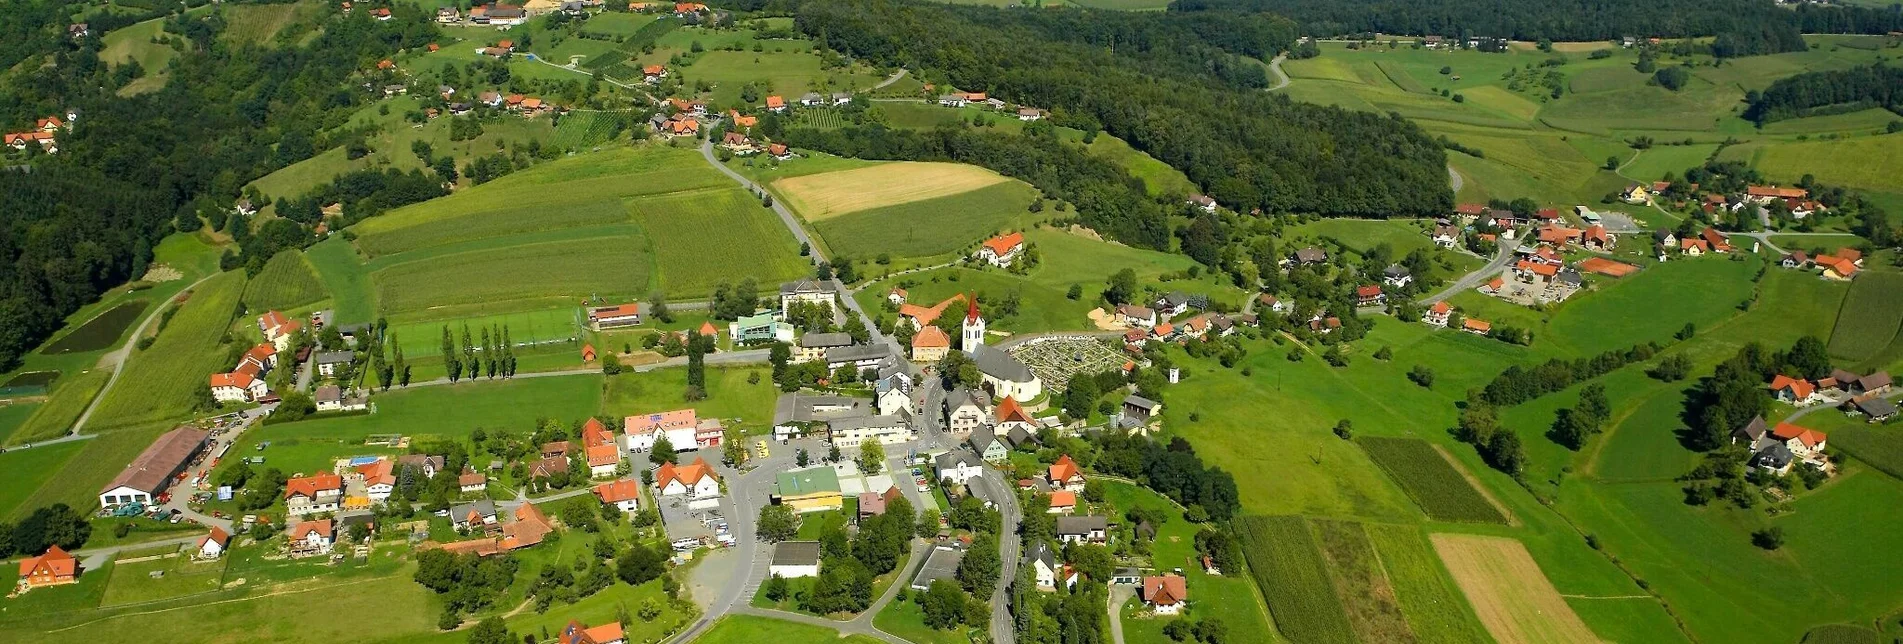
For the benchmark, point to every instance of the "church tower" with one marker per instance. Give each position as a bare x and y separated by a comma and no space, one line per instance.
974,335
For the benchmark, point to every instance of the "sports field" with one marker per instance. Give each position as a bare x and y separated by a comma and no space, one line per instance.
822,196
1509,593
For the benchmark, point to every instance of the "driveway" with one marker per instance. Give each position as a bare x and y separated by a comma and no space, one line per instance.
1119,593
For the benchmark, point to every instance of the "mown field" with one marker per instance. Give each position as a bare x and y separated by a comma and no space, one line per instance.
1430,480
287,282
161,382
751,241
24,470
542,273
1509,593
821,196
931,226
1871,313
341,269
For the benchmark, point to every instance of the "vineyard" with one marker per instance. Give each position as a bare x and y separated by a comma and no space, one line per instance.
1430,480
287,282
820,119
1289,568
579,130
1870,315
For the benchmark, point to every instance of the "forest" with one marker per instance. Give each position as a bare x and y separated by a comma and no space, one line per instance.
1247,149
1814,93
1565,20
86,219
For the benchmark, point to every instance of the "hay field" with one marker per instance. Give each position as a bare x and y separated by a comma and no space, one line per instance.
1866,162
1870,316
287,282
1512,597
931,226
822,196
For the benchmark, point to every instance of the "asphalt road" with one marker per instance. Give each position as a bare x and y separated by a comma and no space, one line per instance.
1476,278
124,354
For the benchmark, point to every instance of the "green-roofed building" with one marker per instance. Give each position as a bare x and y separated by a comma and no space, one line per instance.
814,489
759,328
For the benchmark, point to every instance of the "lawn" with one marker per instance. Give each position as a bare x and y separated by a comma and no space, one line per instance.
287,282
56,416
77,483
1867,162
162,381
748,629
1870,316
24,470
1428,478
134,582
453,410
906,620
729,396
932,226
752,241
560,325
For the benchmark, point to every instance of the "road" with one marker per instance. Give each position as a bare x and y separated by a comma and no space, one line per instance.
1454,180
1119,593
124,355
889,80
1275,67
1478,277
996,489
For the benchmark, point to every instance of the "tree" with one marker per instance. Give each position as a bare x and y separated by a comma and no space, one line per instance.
1080,394
872,457
1770,538
1422,375
801,458
1808,358
734,447
777,523
640,564
657,303
1344,429
943,603
1673,77
1504,452
776,588
491,630
663,451
832,453
927,525
1123,287
980,568
1383,353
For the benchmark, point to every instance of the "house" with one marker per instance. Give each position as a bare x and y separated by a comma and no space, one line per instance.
957,466
966,410
807,291
331,363
872,504
695,479
892,396
1766,194
1719,242
1311,255
1001,250
779,151
1274,304
1085,529
471,481
1750,433
858,356
529,528
379,479
678,426
575,632
1396,276
1665,239
1446,236
1205,202
1066,475
1043,563
951,100
473,516
813,346
988,446
1165,594
52,568
812,99
1795,391
1369,295
1476,327
603,460
1171,304
1796,259
1837,268
794,559
1693,247
1438,314
428,464
78,30
1559,236
147,476
852,431
1877,383
1804,442
313,494
1063,502
775,104
652,74
1133,315
1010,415
1876,408
1596,238
930,344
448,15
811,489
1028,114
213,544
313,537
738,143
278,329
759,328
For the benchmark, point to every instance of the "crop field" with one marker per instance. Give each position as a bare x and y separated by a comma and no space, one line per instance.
1652,164
931,226
1871,314
821,196
259,24
1433,605
1879,446
341,270
1360,584
582,129
1430,480
751,241
612,267
162,381
55,417
616,23
24,470
1289,568
101,332
287,282
820,119
1509,593
578,191
1842,634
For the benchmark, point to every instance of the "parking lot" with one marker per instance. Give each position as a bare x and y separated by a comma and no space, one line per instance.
686,523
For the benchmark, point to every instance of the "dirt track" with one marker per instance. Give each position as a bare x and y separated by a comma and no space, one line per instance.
1513,598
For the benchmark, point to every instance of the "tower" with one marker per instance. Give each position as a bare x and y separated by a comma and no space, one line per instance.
974,335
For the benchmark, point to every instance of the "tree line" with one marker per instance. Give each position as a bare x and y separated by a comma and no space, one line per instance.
1248,149
1828,92
1566,20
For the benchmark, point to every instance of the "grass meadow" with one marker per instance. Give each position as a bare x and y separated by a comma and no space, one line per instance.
162,381
1430,480
133,44
287,282
745,629
1870,316
790,71
533,274
752,241
730,396
931,226
341,270
24,470
62,408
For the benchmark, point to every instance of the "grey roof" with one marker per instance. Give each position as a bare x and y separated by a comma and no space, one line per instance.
1874,381
864,422
950,97
811,96
484,507
1041,552
1663,234
1775,456
154,467
1571,276
842,95
855,353
1311,255
801,409
955,458
801,286
1843,378
961,396
888,383
1876,407
1396,271
942,563
981,439
1082,525
335,357
820,340
1174,298
998,364
796,553
329,393
1141,402
1753,430
1018,436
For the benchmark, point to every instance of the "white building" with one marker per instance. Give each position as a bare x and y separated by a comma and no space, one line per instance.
853,431
696,480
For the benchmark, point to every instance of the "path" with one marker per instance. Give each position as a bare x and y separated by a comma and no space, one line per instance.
124,355
1119,593
889,81
1275,66
93,558
1454,179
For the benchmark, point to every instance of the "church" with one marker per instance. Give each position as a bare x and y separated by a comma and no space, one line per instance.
1003,375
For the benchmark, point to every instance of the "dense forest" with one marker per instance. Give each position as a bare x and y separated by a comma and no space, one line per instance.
1248,149
1814,93
1574,20
133,169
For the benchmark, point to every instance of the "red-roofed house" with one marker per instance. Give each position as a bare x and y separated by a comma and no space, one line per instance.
379,479
653,73
930,344
1476,327
1837,268
1010,415
237,387
1796,391
1369,295
620,315
1597,238
1066,475
53,568
1802,441
1165,594
624,494
312,538
776,103
1719,242
1438,313
575,633
1764,194
603,459
1063,502
1558,235
313,494
1002,250
212,545
695,479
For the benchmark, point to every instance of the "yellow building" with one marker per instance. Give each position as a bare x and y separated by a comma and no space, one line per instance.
814,489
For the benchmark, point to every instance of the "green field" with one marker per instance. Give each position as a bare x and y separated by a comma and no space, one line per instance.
1229,597
1870,316
790,73
178,576
1431,602
260,24
1430,480
341,270
134,44
1868,162
752,241
287,282
161,382
422,340
542,274
747,629
24,470
729,396
55,417
1289,568
932,226
100,332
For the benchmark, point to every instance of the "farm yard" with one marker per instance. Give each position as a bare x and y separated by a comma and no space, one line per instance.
1428,478
1056,359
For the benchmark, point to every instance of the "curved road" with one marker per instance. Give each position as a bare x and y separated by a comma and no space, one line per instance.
124,354
1275,65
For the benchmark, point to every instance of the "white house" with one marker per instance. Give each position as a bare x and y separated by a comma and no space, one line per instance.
853,431
966,410
314,537
379,479
1086,529
678,426
893,398
1002,250
793,559
624,494
958,466
237,386
695,479
1165,594
213,544
805,291
313,494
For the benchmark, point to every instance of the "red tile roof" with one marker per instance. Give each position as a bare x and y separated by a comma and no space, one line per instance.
930,337
55,562
1064,470
1798,386
775,101
603,455
1004,244
1368,291
1809,437
689,474
1482,326
1774,191
311,485
319,526
618,490
1010,411
1166,590
1063,499
217,535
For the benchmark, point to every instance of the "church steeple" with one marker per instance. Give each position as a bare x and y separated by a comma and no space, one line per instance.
974,327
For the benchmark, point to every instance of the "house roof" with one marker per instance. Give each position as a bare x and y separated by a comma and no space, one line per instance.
217,535
1063,499
1753,430
382,471
1799,387
775,101
1537,268
1875,380
996,363
1809,437
1082,525
311,485
528,529
1368,291
1004,244
1165,590
1471,324
689,475
1875,406
649,423
1010,411
1140,402
304,529
796,553
825,340
955,458
55,560
155,466
981,439
472,477
1774,191
1849,253
618,490
871,503
1064,469
1441,308
600,455
931,337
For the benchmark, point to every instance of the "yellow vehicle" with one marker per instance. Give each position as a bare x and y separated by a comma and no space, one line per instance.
761,446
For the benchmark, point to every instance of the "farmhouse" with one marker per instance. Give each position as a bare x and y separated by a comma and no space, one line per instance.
1369,295
957,466
146,477
1876,408
1719,242
1837,268
794,559
1085,529
575,632
696,480
213,544
812,489
1165,594
1766,194
1795,391
679,426
314,537
1001,250
53,568
313,494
